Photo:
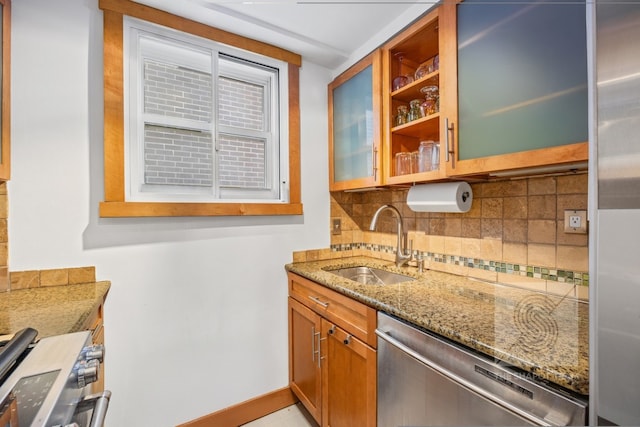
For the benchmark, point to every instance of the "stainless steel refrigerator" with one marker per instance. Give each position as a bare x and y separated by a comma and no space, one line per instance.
615,213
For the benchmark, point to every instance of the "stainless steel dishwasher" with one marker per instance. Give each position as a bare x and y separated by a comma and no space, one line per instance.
425,380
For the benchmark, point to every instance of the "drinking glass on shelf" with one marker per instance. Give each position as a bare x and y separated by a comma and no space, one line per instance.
414,109
425,156
402,116
401,79
403,163
430,105
415,156
435,156
424,69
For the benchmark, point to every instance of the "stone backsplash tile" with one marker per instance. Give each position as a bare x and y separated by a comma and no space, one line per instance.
24,279
51,277
82,275
540,254
572,183
4,279
4,205
543,185
516,222
55,277
550,280
573,257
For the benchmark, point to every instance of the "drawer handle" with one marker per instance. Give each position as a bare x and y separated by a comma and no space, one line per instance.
318,301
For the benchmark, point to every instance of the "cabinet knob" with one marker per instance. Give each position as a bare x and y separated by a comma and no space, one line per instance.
332,330
347,340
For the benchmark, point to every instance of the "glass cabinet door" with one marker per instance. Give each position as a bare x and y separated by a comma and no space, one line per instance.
522,86
354,126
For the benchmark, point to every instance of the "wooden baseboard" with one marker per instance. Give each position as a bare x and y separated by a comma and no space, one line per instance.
247,411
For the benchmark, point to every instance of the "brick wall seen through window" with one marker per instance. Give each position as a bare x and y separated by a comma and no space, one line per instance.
184,157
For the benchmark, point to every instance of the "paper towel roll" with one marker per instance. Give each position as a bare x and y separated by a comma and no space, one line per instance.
440,197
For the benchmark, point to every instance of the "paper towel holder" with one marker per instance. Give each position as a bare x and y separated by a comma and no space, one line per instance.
455,196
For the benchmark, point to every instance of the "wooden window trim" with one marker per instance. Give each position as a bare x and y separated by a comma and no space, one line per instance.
5,102
114,204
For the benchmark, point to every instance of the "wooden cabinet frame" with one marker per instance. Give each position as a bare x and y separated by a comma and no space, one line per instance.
425,37
436,32
114,204
374,60
5,109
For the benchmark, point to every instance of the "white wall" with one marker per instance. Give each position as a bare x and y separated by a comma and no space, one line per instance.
196,315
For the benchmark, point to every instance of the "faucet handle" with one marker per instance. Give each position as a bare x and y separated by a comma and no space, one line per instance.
420,259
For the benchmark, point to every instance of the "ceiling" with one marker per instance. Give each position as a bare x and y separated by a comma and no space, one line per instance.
326,32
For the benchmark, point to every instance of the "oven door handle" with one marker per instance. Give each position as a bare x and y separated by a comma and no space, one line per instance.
99,402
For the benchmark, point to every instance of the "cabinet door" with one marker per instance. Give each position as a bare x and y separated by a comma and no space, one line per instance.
5,86
98,338
419,47
349,379
354,126
304,357
521,95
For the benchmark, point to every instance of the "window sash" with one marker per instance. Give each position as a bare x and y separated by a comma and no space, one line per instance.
146,44
114,204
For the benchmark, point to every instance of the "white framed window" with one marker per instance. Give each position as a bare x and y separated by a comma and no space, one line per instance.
204,122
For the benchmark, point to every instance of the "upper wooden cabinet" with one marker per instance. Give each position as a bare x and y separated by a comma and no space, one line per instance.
510,98
412,68
520,97
5,86
354,126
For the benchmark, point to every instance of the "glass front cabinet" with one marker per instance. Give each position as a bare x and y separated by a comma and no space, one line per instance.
520,101
354,126
470,89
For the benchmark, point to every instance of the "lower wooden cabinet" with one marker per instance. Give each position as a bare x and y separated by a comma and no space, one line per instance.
304,360
332,356
96,326
98,339
348,379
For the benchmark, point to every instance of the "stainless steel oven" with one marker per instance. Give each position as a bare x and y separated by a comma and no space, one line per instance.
48,383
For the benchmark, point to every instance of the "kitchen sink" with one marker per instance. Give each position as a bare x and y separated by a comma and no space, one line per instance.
370,275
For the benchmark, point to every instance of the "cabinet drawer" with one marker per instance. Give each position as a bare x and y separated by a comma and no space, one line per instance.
356,318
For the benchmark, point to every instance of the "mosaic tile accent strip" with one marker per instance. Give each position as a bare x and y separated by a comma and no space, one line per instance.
552,274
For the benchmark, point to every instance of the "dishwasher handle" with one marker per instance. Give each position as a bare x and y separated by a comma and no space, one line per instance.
459,380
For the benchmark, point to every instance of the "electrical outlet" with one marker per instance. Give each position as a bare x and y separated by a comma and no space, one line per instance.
336,226
575,221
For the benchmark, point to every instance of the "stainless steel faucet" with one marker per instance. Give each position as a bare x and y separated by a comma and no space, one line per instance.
402,256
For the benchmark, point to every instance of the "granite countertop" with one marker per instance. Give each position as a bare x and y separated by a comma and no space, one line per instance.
545,335
51,310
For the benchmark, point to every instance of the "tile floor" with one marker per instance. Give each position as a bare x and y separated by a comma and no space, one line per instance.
291,416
